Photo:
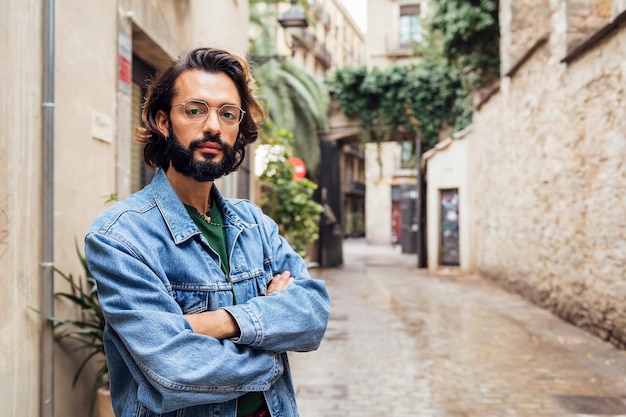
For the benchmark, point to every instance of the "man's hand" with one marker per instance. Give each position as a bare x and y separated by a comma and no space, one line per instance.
279,283
218,324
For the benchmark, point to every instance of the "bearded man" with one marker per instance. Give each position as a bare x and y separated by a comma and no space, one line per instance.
202,297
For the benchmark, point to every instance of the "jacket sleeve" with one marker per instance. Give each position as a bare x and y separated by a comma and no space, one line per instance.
173,366
294,319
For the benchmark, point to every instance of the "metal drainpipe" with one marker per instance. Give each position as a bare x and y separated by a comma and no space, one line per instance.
47,362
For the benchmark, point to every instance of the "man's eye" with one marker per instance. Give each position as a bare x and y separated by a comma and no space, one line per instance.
230,113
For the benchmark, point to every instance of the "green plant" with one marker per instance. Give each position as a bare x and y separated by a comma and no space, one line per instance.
88,330
469,36
408,97
286,200
460,52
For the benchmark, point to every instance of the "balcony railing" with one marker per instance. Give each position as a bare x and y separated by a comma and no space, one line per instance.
309,41
356,188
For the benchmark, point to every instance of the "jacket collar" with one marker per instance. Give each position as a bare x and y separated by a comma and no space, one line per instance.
178,221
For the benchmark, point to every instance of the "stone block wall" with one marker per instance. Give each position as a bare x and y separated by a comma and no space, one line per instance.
523,26
547,169
585,17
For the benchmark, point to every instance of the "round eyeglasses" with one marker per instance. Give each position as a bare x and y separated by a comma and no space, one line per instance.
197,111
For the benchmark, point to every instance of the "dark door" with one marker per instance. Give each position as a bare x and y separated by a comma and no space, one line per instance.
331,234
408,213
449,239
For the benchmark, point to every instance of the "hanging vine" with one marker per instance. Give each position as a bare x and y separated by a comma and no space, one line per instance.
459,53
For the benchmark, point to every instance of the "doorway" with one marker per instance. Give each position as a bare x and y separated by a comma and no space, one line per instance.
449,227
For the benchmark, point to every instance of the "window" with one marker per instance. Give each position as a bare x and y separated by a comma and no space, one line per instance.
408,159
410,25
140,173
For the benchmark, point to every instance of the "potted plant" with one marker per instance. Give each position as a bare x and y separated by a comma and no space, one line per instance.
87,331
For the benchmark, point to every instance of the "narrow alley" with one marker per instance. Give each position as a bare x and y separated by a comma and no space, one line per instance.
401,342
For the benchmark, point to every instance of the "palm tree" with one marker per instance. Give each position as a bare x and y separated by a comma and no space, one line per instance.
294,99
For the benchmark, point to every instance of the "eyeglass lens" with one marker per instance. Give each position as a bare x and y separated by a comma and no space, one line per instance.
198,111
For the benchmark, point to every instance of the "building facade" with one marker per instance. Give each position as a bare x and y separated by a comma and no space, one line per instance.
67,148
394,29
332,40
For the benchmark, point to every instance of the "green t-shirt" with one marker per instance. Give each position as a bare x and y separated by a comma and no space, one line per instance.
213,232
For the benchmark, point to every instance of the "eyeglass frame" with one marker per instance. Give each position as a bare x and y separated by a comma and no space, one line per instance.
217,111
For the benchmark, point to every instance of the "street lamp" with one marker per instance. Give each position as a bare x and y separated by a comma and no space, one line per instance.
294,17
262,59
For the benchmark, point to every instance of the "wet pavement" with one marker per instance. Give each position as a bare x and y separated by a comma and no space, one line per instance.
401,342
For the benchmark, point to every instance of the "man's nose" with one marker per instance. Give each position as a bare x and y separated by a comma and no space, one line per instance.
212,123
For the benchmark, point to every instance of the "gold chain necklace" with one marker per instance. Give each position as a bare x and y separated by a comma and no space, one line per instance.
208,219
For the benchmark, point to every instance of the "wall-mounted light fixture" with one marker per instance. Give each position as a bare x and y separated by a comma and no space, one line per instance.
294,17
262,59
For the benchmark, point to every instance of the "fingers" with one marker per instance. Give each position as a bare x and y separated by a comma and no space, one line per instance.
279,282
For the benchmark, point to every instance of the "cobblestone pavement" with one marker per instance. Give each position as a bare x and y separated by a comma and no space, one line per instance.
402,343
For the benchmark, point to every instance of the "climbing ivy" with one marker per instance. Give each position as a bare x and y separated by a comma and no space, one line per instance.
405,97
459,54
470,37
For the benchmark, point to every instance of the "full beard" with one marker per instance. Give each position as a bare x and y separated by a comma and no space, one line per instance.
202,170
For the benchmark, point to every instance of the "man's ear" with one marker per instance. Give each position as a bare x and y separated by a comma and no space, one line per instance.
162,123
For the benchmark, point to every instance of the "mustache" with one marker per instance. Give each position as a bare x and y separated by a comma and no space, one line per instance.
207,138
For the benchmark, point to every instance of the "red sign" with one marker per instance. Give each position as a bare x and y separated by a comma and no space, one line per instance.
299,167
124,73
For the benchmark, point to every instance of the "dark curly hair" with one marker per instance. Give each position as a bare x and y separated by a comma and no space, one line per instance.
161,90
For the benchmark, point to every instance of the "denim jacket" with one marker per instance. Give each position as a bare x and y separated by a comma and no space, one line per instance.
152,265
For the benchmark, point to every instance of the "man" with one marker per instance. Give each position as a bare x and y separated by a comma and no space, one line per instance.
201,296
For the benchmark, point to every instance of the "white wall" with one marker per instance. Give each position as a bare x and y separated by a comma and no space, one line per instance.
447,168
380,165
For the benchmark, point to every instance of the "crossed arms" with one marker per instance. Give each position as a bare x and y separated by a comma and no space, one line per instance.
220,324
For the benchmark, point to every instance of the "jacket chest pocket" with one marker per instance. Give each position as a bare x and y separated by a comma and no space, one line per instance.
198,298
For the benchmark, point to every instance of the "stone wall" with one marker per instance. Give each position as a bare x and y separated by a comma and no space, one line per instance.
548,183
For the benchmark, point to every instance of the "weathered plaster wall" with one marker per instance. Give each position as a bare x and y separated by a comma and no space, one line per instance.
20,207
380,166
